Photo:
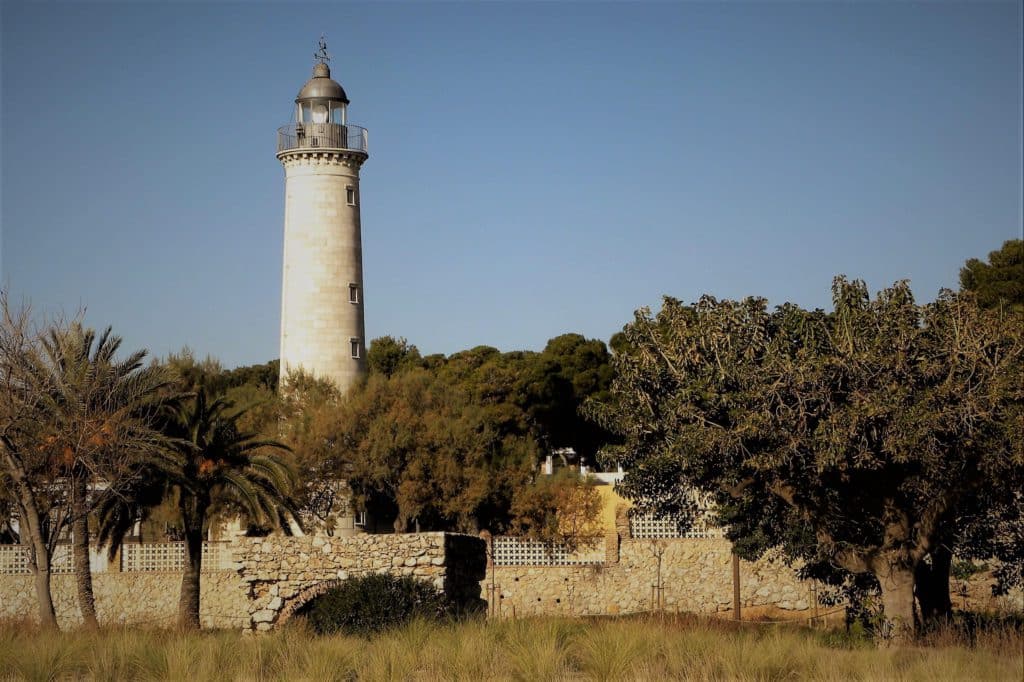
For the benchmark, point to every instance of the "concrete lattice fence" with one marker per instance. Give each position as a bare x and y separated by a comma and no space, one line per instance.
14,560
149,557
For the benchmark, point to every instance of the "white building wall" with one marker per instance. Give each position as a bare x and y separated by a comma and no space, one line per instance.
322,258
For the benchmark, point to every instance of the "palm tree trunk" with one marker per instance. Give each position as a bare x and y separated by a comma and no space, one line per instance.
80,553
193,514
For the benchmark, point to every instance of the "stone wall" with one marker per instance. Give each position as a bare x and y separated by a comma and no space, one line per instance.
285,573
131,599
275,577
696,576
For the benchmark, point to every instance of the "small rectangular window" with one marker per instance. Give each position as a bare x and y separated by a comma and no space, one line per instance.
355,348
360,519
350,193
353,293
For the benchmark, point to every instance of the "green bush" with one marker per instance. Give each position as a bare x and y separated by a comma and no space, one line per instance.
373,603
963,570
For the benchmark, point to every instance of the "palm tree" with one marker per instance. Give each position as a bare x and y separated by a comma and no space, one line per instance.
100,414
225,466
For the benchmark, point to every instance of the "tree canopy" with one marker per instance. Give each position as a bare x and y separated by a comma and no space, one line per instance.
1000,280
449,442
856,438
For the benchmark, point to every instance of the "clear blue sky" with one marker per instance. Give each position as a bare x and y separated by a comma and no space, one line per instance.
534,169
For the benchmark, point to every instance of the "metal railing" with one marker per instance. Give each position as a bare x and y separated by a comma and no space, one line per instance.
321,136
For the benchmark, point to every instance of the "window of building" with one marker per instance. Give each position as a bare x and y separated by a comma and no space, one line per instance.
350,193
355,348
353,293
360,519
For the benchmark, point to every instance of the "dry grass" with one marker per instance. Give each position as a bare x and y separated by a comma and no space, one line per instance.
654,648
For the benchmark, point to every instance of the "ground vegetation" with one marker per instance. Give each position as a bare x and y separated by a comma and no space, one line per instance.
638,648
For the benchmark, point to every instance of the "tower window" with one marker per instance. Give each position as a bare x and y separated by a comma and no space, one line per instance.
355,348
353,293
350,195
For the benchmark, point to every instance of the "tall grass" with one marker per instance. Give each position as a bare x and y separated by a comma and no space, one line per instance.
637,648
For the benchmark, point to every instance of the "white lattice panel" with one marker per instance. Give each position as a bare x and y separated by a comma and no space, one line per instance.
156,557
649,526
14,560
509,551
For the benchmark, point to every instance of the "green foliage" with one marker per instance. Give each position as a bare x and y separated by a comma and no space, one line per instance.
373,603
432,455
1000,281
554,385
446,443
210,375
388,356
222,463
859,439
963,570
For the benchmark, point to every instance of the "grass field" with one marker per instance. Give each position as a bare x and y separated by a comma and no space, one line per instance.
652,648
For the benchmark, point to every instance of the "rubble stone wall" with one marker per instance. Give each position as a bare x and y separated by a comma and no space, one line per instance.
696,576
274,577
149,599
282,574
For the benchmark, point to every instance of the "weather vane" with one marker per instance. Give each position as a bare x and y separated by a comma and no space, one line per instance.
321,54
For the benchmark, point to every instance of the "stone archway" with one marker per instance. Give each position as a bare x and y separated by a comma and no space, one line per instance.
282,573
295,604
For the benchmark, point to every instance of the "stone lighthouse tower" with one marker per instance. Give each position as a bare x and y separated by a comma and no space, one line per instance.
322,326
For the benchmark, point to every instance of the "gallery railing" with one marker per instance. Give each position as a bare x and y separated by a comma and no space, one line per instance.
321,136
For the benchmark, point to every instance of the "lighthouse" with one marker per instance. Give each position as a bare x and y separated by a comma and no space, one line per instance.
322,323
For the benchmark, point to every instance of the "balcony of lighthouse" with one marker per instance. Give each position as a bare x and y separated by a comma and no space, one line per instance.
301,136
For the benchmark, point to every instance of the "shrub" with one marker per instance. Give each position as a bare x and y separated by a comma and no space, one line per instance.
374,603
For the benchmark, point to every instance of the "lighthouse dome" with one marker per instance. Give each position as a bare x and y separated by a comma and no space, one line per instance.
322,86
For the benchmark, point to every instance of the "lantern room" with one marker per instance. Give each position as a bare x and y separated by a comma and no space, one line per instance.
322,99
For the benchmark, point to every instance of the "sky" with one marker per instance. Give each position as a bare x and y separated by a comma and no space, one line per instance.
535,168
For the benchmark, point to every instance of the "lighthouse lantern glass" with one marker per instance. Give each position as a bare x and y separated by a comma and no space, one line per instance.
338,113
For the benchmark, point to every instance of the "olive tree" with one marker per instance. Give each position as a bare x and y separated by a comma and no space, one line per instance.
867,430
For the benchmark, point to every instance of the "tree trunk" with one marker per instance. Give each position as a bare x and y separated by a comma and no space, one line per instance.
80,553
192,520
33,526
47,614
932,587
897,583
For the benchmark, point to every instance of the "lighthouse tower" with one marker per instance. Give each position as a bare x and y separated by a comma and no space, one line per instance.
322,326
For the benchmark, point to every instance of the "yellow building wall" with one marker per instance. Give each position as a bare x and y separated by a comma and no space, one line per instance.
610,501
